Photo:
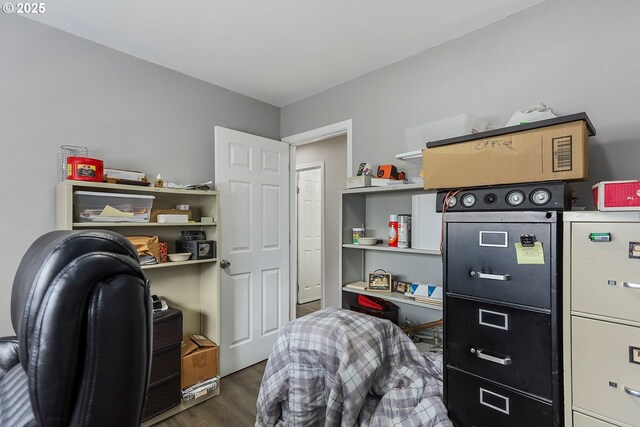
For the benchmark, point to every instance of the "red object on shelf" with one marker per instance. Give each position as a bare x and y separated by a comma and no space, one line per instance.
393,231
617,195
85,169
163,251
376,307
366,301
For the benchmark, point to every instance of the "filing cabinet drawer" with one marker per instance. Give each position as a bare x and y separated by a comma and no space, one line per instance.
507,345
605,380
479,403
580,420
481,261
594,264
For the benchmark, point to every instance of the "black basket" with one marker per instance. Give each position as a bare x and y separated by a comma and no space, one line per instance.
162,397
167,329
164,364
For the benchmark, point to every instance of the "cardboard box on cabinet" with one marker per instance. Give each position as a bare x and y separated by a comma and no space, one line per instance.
550,153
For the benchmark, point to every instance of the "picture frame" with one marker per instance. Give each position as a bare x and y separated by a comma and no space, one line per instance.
400,286
379,281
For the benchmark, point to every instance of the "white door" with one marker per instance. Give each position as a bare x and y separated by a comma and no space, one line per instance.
252,175
309,235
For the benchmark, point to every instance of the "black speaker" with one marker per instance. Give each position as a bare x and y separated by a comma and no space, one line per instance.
553,195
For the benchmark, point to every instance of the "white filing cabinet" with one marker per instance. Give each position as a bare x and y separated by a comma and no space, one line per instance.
601,321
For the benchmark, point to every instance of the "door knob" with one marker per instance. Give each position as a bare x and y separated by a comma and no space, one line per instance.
224,264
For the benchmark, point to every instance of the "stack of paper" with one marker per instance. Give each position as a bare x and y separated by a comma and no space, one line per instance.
357,285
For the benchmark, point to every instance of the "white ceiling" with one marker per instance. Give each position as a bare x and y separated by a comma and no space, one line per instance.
277,51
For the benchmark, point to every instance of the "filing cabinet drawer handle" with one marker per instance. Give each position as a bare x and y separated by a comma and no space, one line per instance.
484,356
489,276
631,392
631,285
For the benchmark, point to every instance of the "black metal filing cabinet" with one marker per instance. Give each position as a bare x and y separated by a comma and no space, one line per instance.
502,318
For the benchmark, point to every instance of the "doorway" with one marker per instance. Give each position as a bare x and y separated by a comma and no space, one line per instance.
331,145
310,226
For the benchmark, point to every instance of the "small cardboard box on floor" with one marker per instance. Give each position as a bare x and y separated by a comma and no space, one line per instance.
549,150
199,359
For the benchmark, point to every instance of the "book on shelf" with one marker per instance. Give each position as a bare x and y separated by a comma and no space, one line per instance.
357,285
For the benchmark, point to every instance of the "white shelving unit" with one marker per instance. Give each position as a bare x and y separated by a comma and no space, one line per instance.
192,286
372,206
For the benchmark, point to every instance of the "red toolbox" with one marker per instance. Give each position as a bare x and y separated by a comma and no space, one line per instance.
376,307
617,195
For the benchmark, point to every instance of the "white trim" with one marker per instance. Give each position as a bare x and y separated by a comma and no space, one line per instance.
300,168
322,133
307,166
326,132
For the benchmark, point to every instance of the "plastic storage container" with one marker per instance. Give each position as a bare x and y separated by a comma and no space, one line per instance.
92,206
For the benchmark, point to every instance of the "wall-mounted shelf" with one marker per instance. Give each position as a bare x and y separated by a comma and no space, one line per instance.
397,187
410,155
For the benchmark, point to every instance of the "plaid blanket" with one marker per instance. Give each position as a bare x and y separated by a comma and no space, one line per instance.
339,368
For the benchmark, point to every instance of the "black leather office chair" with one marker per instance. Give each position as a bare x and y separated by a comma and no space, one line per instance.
81,310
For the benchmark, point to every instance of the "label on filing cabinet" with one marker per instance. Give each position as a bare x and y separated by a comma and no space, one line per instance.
634,355
634,249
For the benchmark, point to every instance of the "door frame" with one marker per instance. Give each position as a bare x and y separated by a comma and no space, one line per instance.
319,134
306,167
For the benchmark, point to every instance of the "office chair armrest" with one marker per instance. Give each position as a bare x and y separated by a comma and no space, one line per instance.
8,354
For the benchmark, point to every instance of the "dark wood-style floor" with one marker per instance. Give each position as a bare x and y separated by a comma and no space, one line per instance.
307,308
236,404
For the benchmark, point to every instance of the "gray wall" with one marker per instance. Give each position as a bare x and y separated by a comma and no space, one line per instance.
334,153
573,55
58,89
